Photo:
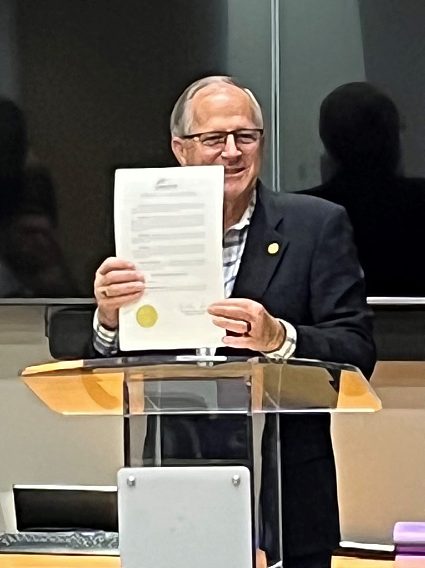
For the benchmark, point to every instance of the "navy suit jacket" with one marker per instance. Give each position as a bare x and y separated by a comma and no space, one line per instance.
314,282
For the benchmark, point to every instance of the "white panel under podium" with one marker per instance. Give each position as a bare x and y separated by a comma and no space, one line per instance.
185,517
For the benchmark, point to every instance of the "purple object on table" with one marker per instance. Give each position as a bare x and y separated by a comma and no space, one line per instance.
409,533
410,549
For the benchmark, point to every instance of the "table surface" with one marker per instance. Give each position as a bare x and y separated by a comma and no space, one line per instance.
54,561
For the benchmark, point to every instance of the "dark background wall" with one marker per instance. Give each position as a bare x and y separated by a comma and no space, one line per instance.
325,44
97,81
394,47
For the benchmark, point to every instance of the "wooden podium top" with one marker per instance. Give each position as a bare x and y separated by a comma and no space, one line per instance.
81,387
57,561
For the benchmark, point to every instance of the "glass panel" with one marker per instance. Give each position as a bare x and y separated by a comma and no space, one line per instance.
88,87
207,387
249,388
359,145
321,47
249,47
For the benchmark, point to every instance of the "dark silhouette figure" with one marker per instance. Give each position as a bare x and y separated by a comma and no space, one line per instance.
360,129
31,261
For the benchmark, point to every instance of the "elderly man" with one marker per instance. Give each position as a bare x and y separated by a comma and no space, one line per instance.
293,287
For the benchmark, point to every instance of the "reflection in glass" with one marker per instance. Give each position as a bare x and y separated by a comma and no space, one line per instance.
97,90
360,130
31,260
379,45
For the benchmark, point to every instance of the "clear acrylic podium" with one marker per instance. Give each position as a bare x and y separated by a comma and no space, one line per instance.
191,411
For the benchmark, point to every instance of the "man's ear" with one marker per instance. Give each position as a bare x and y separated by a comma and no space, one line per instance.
179,150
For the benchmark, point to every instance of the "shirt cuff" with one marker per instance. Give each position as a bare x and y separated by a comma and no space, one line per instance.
105,341
289,345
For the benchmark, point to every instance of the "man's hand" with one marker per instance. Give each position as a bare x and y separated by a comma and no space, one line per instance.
117,283
256,329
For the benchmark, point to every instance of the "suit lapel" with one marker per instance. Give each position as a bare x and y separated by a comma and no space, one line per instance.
264,249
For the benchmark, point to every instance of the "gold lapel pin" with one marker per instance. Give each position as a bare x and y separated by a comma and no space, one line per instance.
273,248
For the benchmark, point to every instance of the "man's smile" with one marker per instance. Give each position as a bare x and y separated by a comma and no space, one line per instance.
233,171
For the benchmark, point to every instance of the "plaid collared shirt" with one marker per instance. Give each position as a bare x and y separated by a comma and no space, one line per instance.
234,241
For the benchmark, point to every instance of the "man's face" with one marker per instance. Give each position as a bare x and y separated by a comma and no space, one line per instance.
223,108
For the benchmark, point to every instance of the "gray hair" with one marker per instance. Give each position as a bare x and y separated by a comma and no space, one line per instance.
181,116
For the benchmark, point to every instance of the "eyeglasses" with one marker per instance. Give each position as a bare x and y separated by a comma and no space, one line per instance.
217,140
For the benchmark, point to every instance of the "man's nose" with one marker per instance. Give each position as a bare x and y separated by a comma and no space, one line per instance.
230,149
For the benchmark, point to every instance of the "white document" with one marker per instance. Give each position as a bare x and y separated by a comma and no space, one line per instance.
169,222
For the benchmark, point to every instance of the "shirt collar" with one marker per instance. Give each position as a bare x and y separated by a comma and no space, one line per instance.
245,220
